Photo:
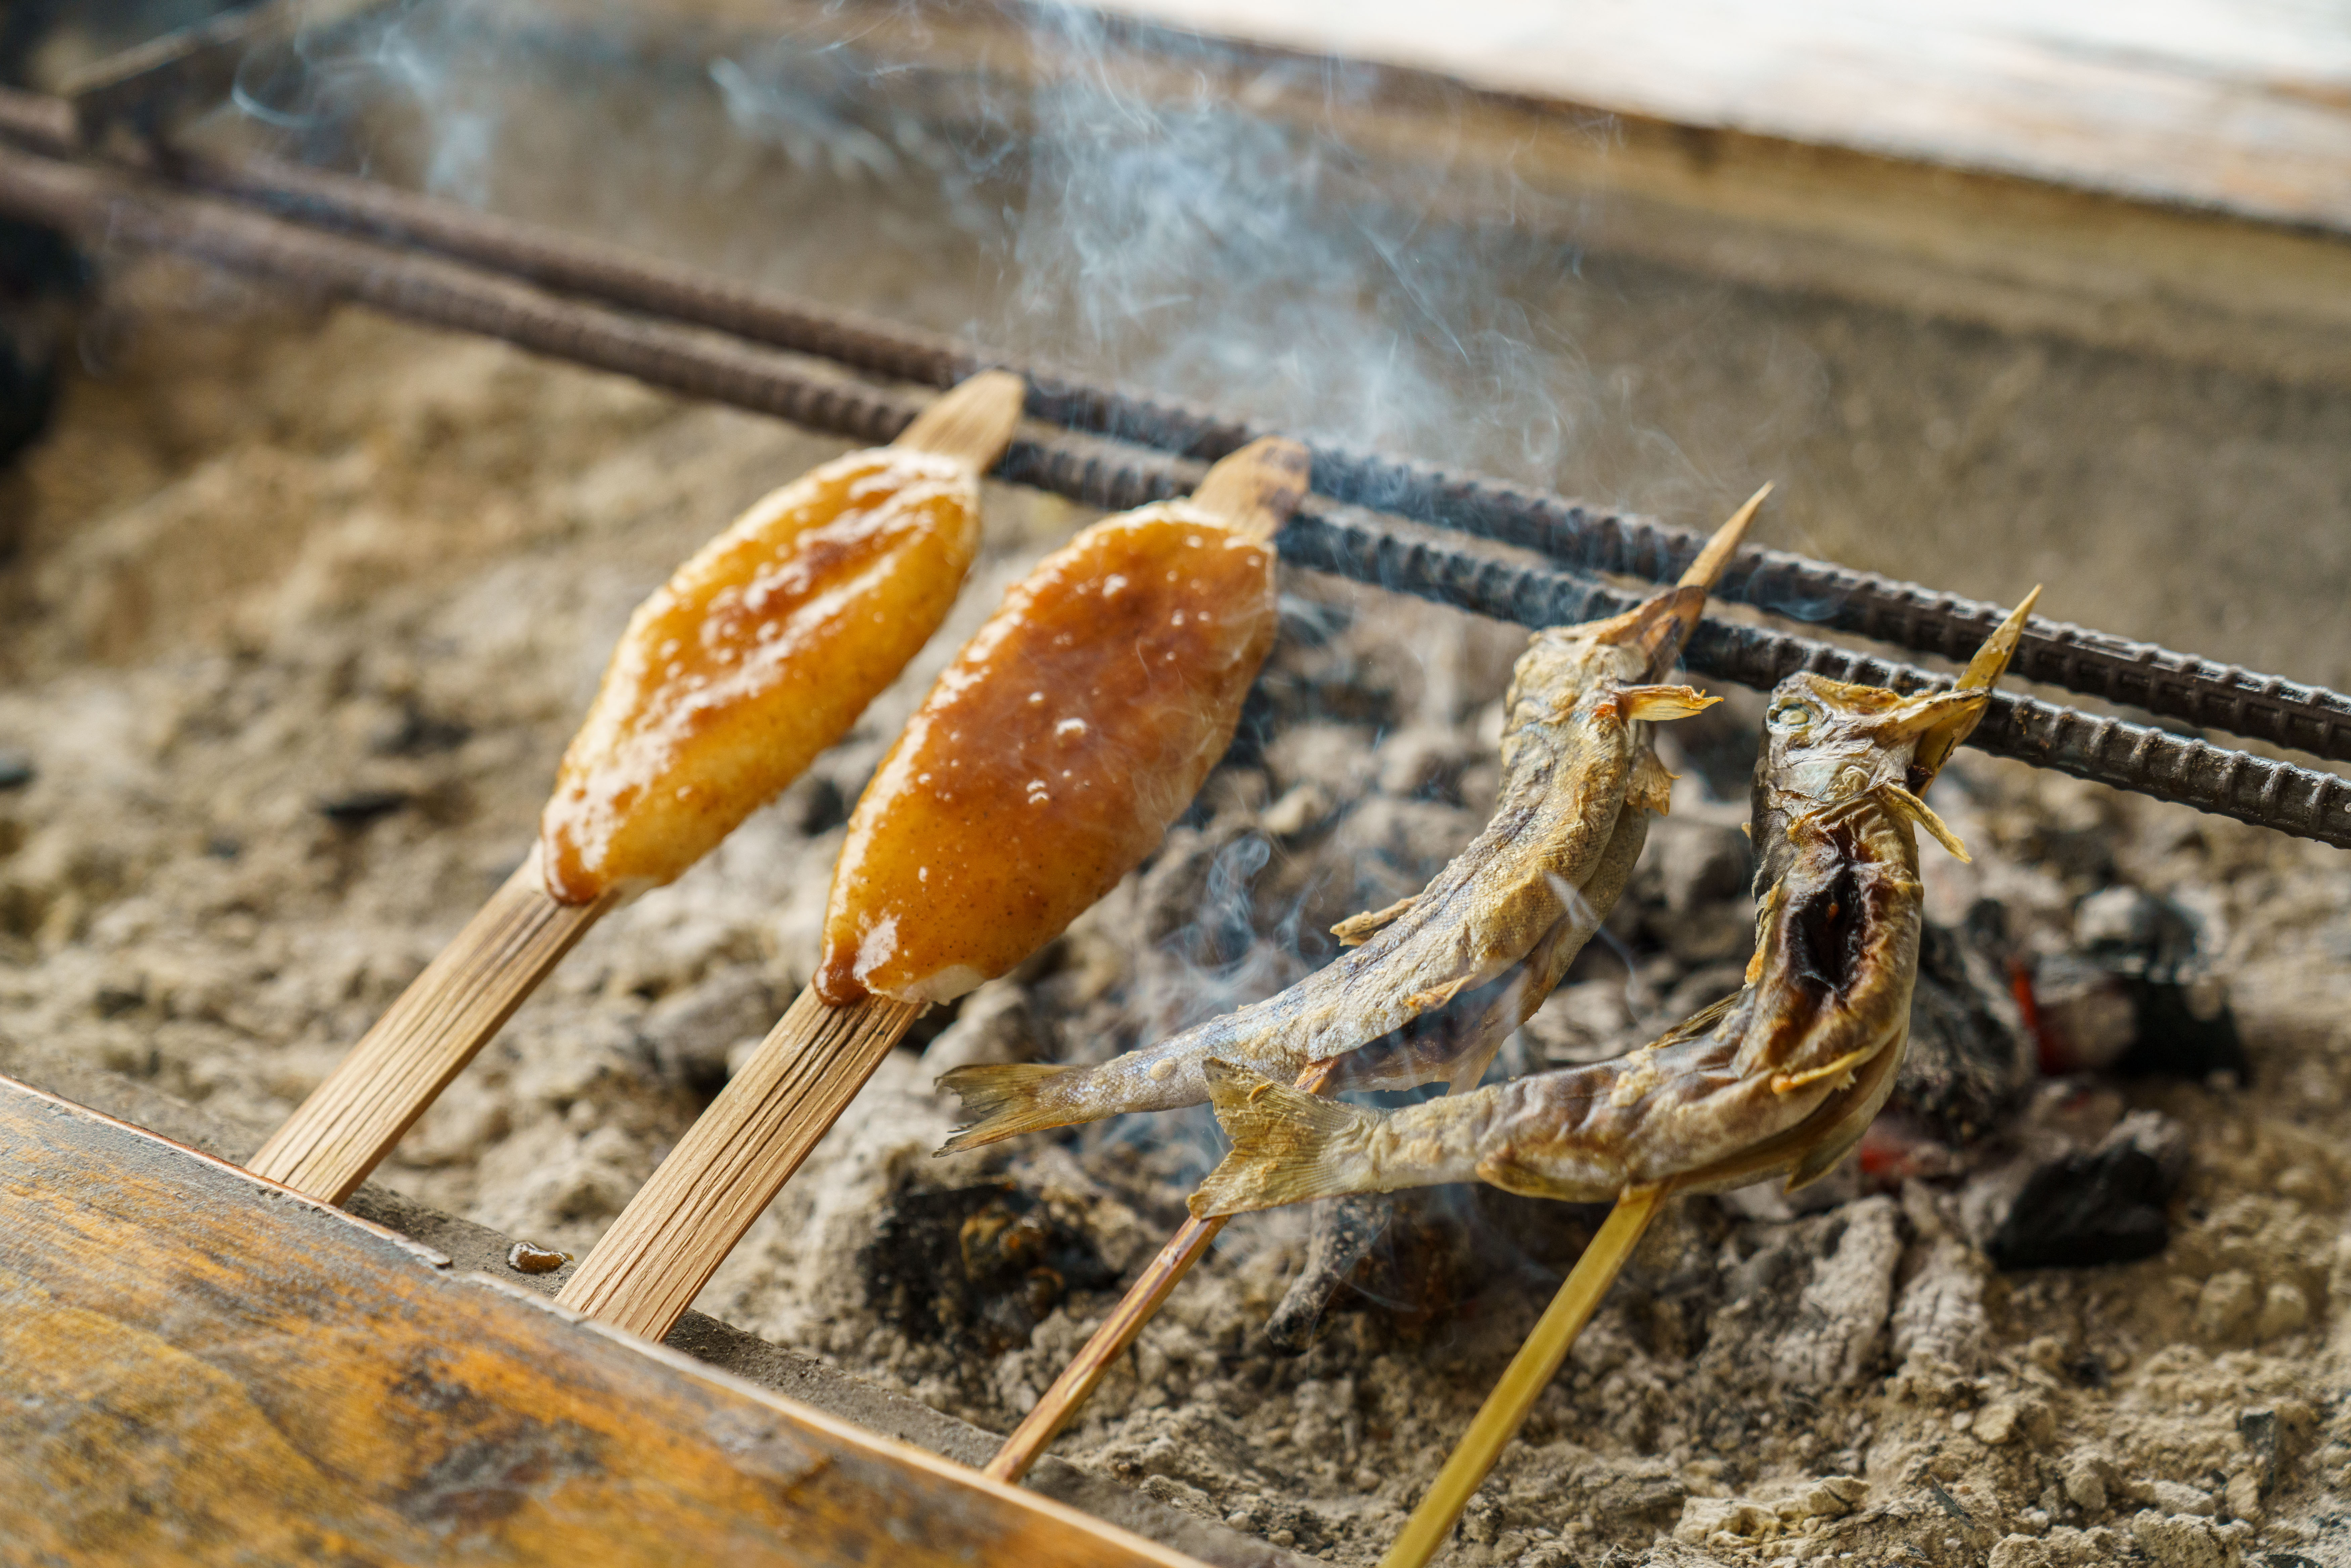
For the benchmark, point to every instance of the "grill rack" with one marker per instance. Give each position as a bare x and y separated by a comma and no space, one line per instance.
446,266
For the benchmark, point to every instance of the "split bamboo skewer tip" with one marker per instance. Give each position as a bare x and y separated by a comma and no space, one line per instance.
971,422
1529,1372
441,1022
731,1164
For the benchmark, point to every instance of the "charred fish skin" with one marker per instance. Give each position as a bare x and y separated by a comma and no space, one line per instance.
1808,1046
1576,762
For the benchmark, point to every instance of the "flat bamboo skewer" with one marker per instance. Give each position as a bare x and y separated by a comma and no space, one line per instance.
672,1236
683,1223
426,1037
1529,1372
448,1013
1110,1341
1190,1243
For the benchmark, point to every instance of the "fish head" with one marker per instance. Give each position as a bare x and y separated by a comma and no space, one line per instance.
1825,742
1632,649
1561,663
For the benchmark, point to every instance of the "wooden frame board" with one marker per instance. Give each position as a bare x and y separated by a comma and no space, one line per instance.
197,1365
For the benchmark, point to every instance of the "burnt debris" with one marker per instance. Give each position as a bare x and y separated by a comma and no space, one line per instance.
983,1265
1969,1058
2136,995
2107,1205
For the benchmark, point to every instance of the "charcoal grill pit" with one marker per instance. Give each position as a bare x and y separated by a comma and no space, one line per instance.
1315,1453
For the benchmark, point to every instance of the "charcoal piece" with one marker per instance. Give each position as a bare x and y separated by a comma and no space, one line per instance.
1344,1230
978,1266
1969,1059
2083,1210
823,808
2136,996
39,274
416,733
360,807
2175,1036
2259,1429
2087,1019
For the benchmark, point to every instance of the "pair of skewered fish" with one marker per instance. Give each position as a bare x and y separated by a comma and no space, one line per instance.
1784,1076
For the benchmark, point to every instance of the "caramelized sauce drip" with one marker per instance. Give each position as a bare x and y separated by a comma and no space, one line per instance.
756,655
1050,756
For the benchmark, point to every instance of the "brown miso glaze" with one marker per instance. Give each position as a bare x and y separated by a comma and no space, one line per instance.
1050,756
756,655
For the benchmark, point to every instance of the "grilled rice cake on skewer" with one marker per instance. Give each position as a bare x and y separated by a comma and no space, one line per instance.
1047,760
756,655
1435,983
1789,1069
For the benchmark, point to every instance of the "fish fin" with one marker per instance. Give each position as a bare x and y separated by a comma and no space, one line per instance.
1923,814
1816,1162
1003,1101
1655,705
1500,1170
1701,1022
1789,1083
1763,918
1472,1065
1651,787
1358,929
1288,1146
1436,997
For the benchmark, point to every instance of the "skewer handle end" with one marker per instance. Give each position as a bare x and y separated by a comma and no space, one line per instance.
973,422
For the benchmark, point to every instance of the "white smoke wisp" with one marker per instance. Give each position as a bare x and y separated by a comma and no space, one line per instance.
1191,241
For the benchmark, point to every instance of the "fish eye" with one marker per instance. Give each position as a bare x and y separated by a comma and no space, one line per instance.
1791,718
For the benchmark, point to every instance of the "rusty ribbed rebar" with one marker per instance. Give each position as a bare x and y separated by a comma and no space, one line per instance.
106,206
2176,685
2307,802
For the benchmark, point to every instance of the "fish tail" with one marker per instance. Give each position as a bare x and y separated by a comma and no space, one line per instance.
1288,1146
1004,1102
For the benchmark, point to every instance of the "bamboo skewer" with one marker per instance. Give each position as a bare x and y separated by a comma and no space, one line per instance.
426,1038
1110,1341
350,1121
1528,1373
683,1222
681,1226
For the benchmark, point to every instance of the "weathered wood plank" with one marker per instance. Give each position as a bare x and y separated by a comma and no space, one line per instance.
200,1367
2242,110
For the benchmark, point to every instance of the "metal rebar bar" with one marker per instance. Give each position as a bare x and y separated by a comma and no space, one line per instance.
2203,692
109,206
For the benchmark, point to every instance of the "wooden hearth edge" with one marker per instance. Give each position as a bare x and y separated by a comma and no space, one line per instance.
680,1376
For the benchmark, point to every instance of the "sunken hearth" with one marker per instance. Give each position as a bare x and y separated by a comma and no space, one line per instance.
2078,1295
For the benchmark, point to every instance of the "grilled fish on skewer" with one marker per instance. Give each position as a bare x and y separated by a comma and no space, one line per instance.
758,653
1454,1039
1047,759
1440,979
1787,1071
